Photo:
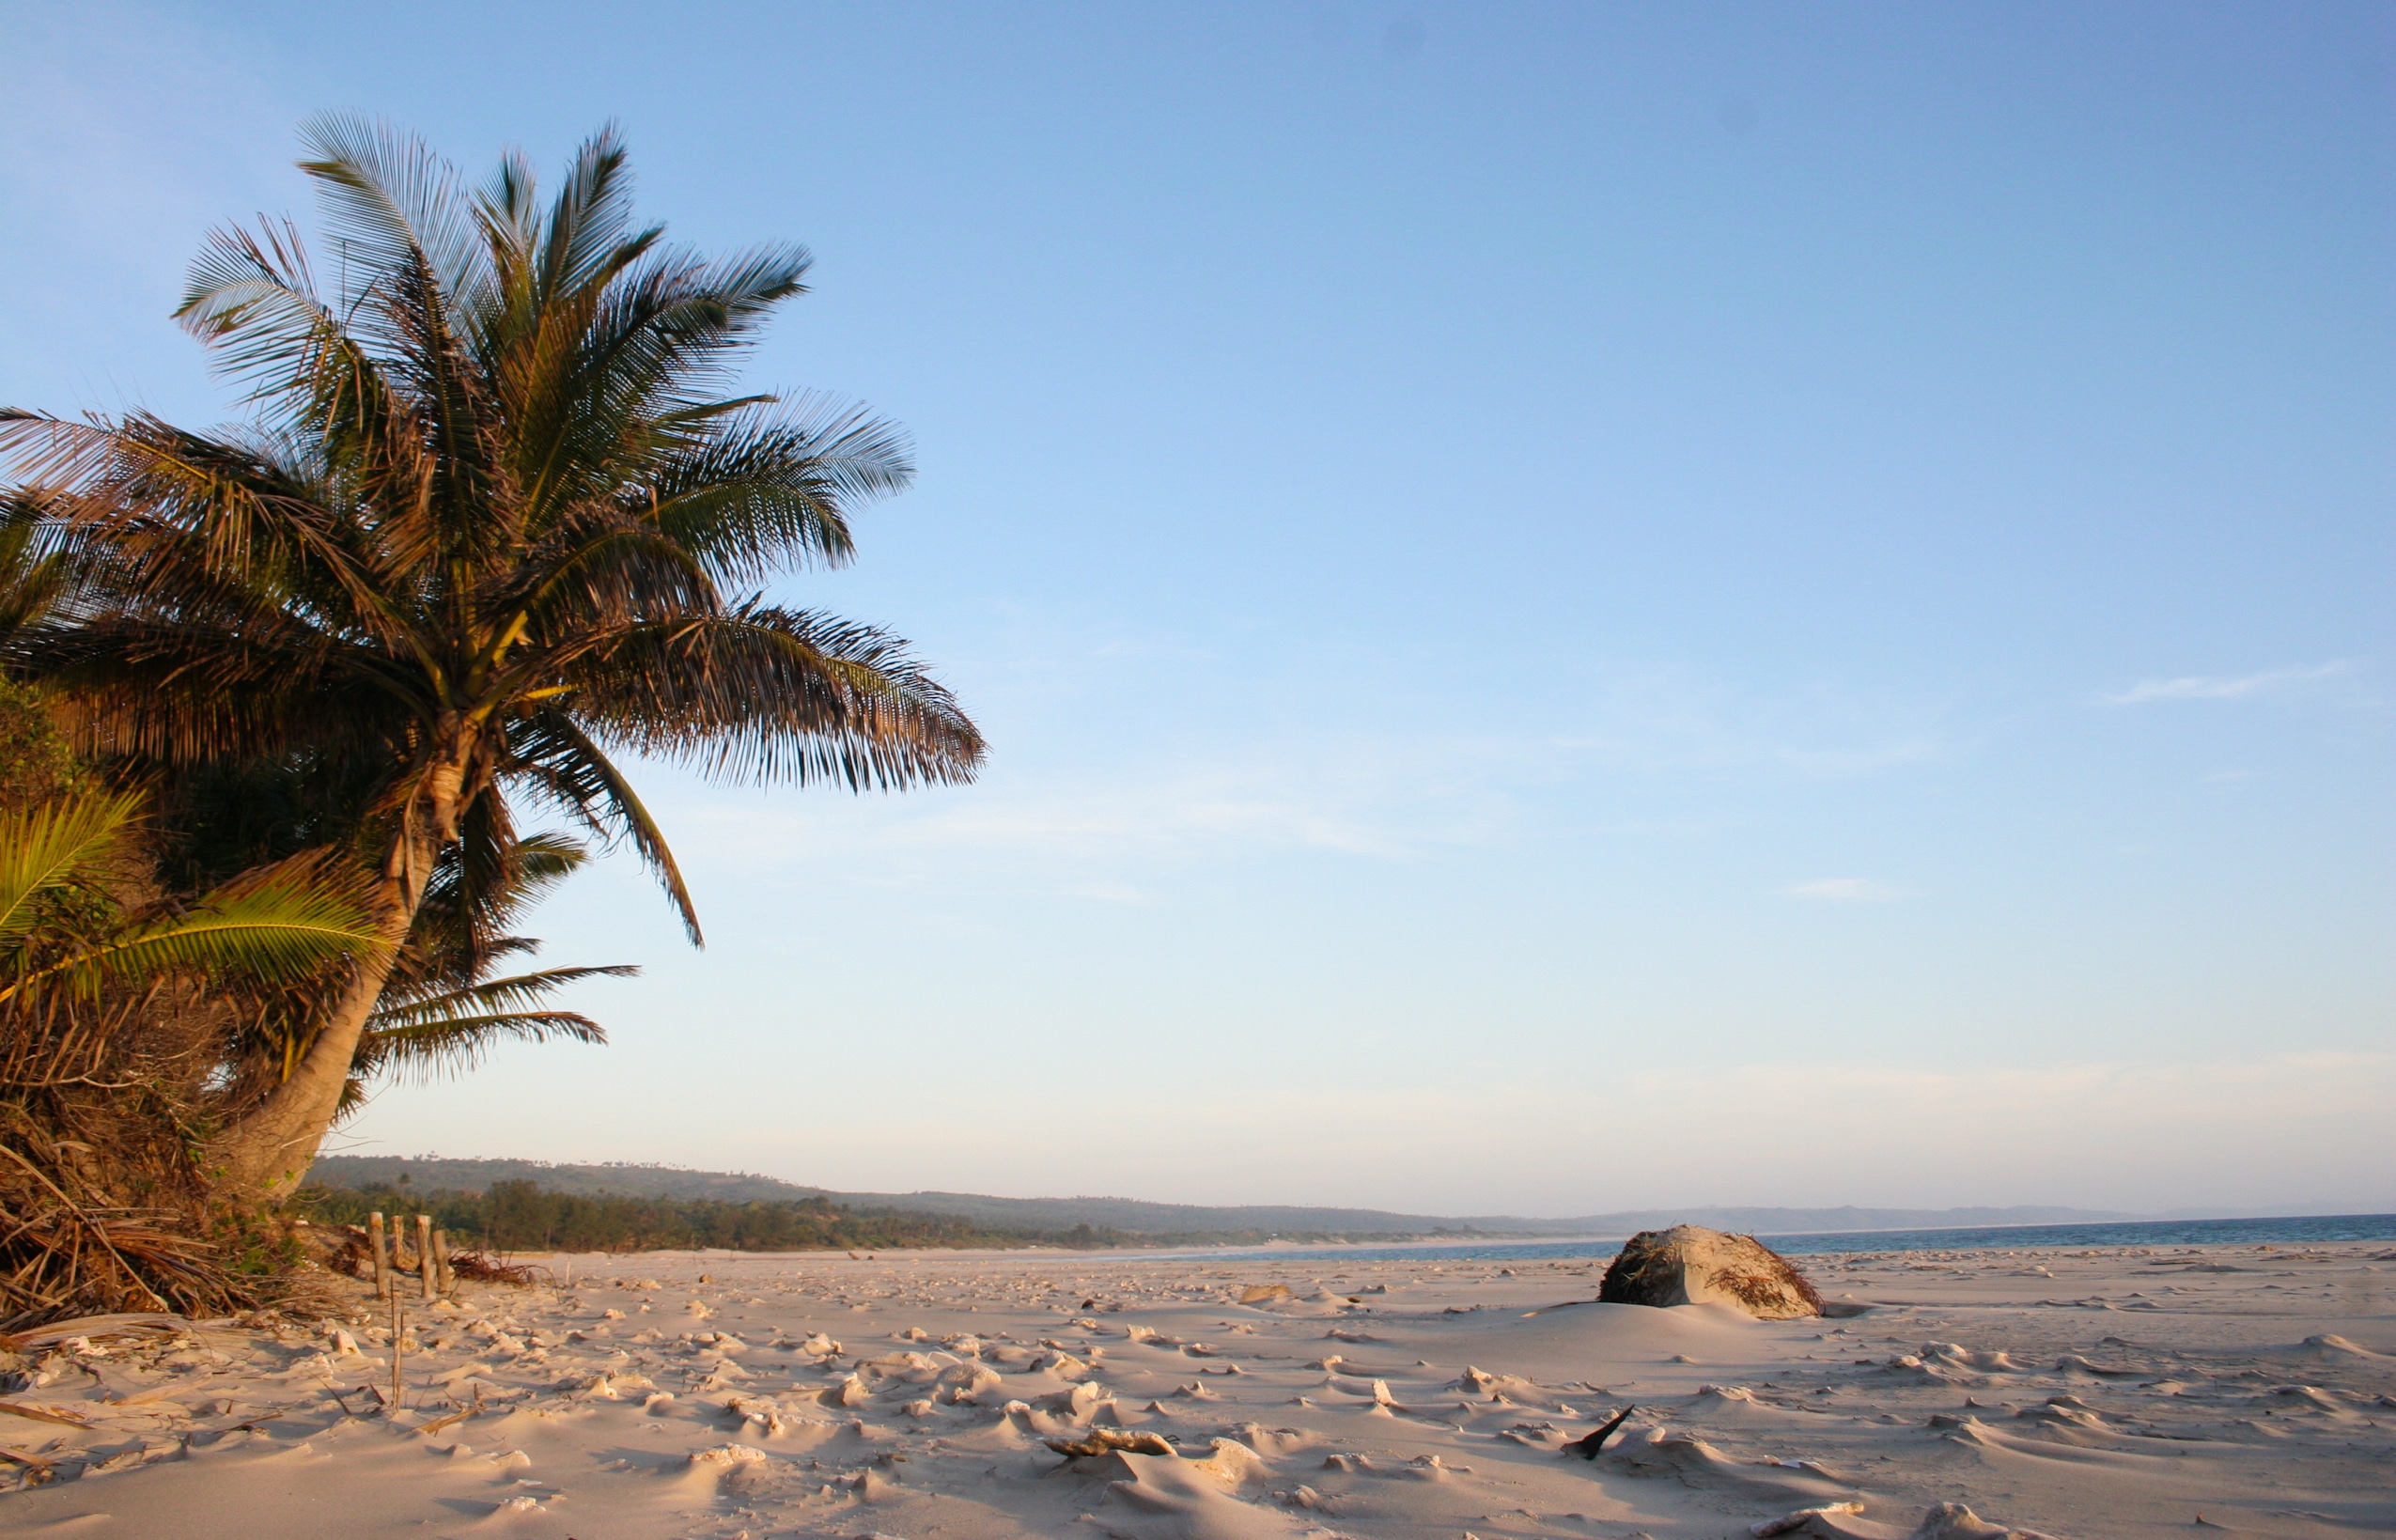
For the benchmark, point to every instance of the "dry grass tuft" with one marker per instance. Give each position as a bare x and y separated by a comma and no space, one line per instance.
1761,1291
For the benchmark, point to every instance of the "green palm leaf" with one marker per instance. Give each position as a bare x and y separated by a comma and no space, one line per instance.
45,849
288,926
272,927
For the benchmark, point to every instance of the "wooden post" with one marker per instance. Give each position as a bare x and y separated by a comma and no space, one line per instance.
376,1239
424,1253
440,1261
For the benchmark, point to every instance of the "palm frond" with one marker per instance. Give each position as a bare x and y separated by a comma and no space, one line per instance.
286,923
764,492
500,996
395,209
590,227
480,886
252,299
34,579
767,693
45,847
433,1048
188,695
429,1035
542,862
556,762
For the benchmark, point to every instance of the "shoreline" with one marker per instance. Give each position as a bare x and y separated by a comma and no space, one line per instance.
2367,1228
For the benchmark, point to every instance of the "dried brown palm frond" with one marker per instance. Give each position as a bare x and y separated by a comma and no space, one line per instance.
70,1246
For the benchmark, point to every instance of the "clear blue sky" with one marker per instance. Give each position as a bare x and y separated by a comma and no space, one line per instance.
1545,582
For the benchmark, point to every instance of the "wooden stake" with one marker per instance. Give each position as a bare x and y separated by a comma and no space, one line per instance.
399,1329
440,1261
424,1253
381,1256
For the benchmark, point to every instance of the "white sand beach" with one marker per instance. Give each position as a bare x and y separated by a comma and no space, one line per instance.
2243,1390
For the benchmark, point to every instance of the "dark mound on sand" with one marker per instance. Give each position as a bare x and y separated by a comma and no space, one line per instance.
1687,1266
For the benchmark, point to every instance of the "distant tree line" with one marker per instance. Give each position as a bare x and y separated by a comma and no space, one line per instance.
522,1216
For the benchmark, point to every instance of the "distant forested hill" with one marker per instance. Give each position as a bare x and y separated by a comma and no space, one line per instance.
1132,1216
630,1180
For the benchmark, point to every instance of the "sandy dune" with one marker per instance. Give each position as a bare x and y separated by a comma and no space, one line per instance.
2068,1394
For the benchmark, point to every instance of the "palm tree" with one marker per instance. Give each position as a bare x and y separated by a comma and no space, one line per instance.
498,520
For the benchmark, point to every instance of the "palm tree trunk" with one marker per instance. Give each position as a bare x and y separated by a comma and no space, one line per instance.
263,1156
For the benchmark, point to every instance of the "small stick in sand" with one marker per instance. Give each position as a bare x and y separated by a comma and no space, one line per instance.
398,1328
381,1256
43,1414
424,1254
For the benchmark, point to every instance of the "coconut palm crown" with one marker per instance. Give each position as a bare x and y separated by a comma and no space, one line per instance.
498,520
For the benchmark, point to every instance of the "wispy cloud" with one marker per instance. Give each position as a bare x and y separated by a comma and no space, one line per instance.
1395,805
1845,889
1662,721
1171,818
2226,687
1626,751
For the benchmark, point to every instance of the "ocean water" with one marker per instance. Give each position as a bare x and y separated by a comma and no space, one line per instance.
2281,1232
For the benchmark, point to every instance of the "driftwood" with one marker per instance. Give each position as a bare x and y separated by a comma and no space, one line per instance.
94,1325
1103,1441
481,1267
344,1249
1587,1448
43,1414
1790,1523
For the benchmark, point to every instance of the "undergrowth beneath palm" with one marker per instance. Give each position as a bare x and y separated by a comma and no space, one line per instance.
114,1008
